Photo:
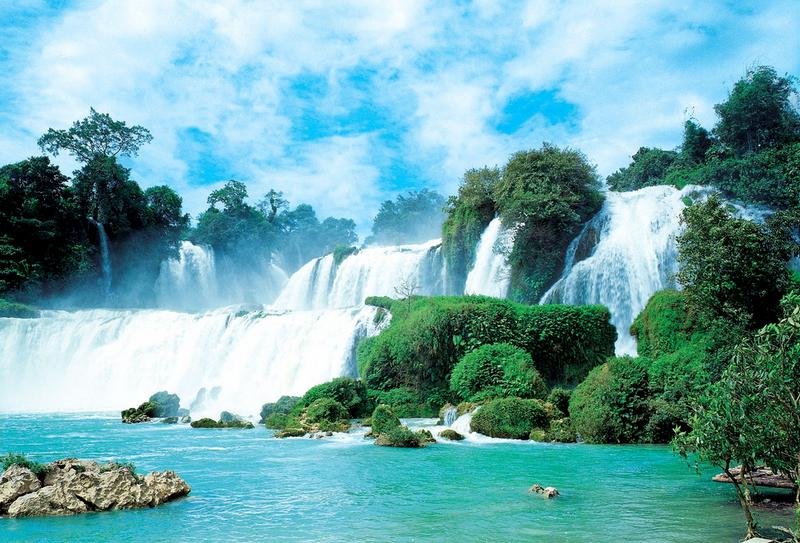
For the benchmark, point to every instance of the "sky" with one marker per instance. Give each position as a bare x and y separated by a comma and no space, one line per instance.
345,104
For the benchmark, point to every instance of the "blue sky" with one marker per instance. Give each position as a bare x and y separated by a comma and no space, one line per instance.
344,104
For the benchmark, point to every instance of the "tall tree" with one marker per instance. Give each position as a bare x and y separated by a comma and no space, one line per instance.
411,218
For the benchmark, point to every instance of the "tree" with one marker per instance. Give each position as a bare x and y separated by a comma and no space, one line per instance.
731,269
164,208
758,112
696,142
96,135
648,167
272,203
411,218
231,196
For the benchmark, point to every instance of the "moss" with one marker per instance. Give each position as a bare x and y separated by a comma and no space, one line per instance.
512,418
17,311
452,435
291,432
143,413
538,434
465,407
399,436
498,370
340,252
169,420
425,436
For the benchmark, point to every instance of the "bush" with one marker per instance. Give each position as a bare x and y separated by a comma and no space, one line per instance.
420,346
559,398
512,418
664,325
283,405
399,436
404,401
326,410
11,459
349,392
17,311
503,368
211,423
143,413
167,404
276,421
611,405
561,431
383,420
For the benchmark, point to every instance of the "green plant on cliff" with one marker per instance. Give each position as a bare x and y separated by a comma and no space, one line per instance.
499,369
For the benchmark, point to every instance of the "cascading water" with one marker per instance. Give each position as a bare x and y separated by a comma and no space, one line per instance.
101,359
449,416
374,271
624,254
105,258
491,274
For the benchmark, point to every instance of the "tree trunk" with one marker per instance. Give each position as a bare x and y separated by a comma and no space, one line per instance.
744,500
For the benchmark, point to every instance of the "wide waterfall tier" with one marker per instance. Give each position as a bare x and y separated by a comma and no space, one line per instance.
102,360
624,254
197,280
373,271
491,274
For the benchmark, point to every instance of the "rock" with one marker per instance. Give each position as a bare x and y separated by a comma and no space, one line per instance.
425,436
452,435
166,404
546,492
143,413
290,432
169,420
231,423
16,481
399,437
73,486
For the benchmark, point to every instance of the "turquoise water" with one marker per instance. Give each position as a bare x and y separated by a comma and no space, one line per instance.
247,486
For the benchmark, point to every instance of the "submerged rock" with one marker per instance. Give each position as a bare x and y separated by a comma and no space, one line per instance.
546,492
450,434
72,486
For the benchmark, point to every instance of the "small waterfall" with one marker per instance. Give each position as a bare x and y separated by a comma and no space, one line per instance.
373,271
109,360
449,416
463,424
105,258
491,273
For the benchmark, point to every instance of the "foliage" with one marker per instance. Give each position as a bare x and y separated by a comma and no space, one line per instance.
731,269
383,419
611,404
664,324
211,423
423,342
351,393
404,401
468,214
561,431
546,194
96,135
326,410
284,405
559,398
758,112
11,459
512,418
17,311
399,436
411,218
696,143
167,404
340,252
648,168
143,413
504,369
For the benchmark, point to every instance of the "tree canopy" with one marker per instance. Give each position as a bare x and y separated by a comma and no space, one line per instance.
411,218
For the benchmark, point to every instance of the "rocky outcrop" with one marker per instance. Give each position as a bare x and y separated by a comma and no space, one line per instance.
222,423
73,486
451,434
544,491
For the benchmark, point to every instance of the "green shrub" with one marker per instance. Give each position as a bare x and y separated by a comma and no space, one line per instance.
340,252
276,421
503,368
399,436
611,405
284,405
143,413
404,401
383,420
561,431
559,397
664,325
326,410
211,423
167,404
512,418
420,346
17,311
10,459
351,393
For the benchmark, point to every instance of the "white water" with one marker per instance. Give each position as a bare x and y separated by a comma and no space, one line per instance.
196,281
373,271
105,258
491,274
449,416
101,359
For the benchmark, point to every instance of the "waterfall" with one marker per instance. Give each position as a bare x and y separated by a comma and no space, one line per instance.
105,258
449,416
491,274
195,281
373,271
103,360
624,254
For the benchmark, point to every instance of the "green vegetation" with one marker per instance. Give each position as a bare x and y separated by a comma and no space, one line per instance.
383,419
512,418
349,392
340,252
389,432
17,311
452,435
228,423
284,405
399,436
429,336
11,459
559,398
404,401
411,218
545,194
497,370
326,410
143,413
648,168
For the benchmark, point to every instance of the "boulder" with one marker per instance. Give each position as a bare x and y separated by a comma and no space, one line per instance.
546,492
425,436
73,486
166,404
16,481
400,436
452,435
291,432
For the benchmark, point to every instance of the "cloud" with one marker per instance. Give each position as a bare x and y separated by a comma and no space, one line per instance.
343,104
